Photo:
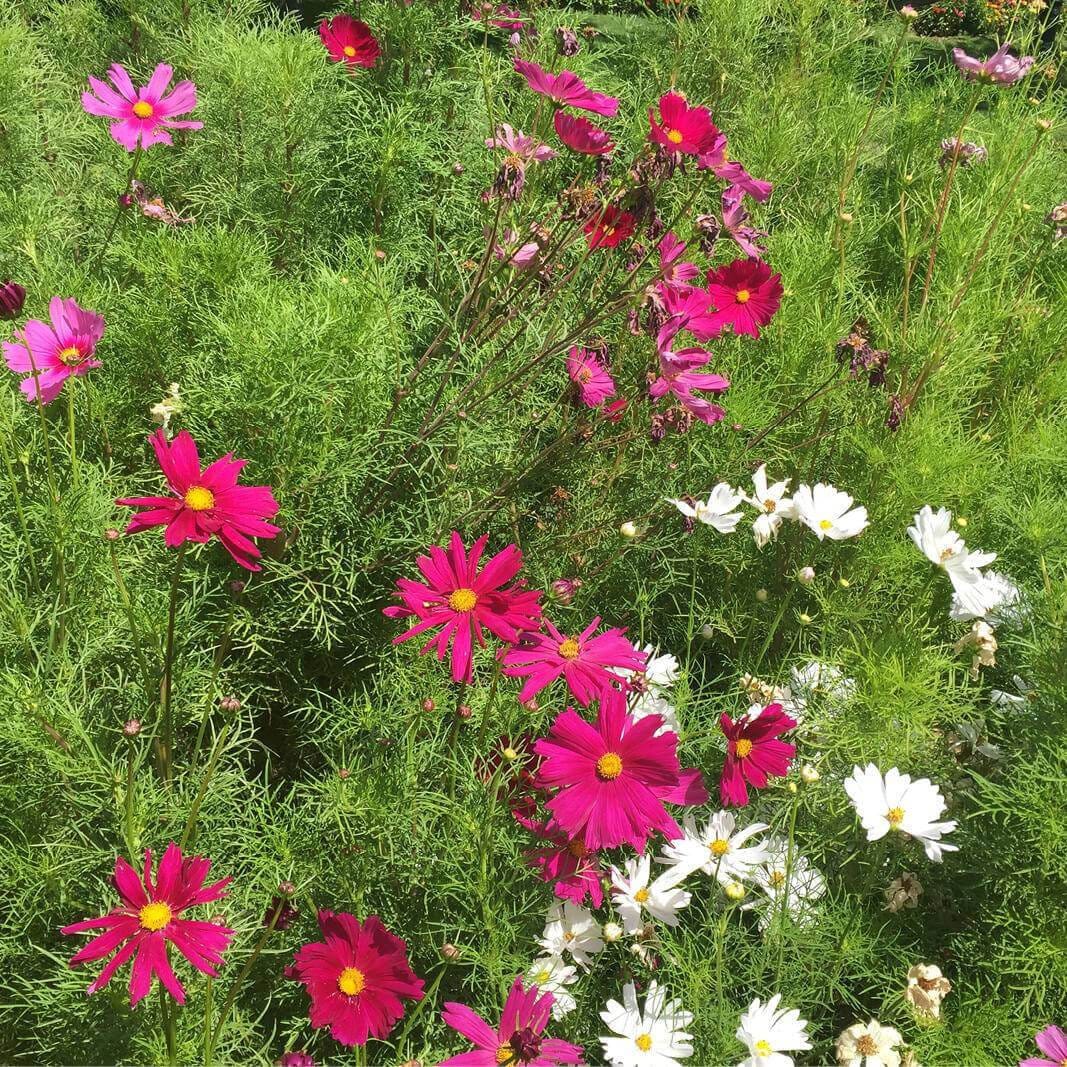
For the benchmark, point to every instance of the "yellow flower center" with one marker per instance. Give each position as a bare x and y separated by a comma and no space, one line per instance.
674,136
742,296
351,981
641,895
143,109
763,1048
155,916
947,553
895,816
71,355
197,498
568,936
348,51
719,847
585,375
769,505
867,1045
742,747
541,977
777,878
505,1054
569,648
825,524
463,600
576,847
609,766
643,1042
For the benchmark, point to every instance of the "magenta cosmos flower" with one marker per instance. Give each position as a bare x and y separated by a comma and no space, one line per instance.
682,128
585,662
518,1040
143,116
613,777
205,503
149,917
609,228
680,375
50,353
458,600
746,295
575,870
566,88
580,135
1001,68
585,369
349,41
1052,1041
356,977
735,223
730,171
674,271
754,753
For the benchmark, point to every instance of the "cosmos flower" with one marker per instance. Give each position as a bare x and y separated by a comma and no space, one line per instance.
566,88
717,511
732,172
735,223
459,600
518,1040
580,135
746,295
571,928
754,753
927,987
772,503
673,270
49,353
205,503
895,802
718,848
356,977
681,128
522,145
142,116
609,228
650,1036
817,680
903,892
1052,1041
982,639
634,892
680,376
767,1031
565,861
868,1045
932,534
551,975
828,512
349,41
649,688
585,369
584,662
150,918
1001,68
613,777
1004,600
787,879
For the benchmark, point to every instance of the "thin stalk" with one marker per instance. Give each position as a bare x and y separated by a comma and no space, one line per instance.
209,773
789,854
166,688
417,1009
209,701
131,619
168,1027
71,439
120,209
16,496
131,768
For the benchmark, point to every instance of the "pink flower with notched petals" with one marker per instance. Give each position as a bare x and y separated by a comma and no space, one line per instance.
205,503
580,135
566,88
1052,1041
1001,68
356,977
521,145
143,116
674,271
347,40
149,918
680,375
729,170
746,295
613,776
50,353
594,382
565,860
754,753
584,662
734,222
459,601
681,128
519,1039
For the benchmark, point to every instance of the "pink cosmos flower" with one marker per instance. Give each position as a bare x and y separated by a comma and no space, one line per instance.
295,1059
1001,68
672,269
518,1040
728,170
149,918
687,308
609,228
350,41
575,869
356,977
754,753
1052,1041
205,503
499,16
682,128
521,145
50,354
746,295
594,383
584,662
614,411
566,88
613,777
734,222
580,135
143,116
458,601
679,375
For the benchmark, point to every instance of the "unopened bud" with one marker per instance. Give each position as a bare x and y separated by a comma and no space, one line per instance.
761,595
111,534
1043,125
131,727
344,773
846,217
530,705
791,786
449,951
961,520
428,705
707,631
286,889
237,587
458,168
806,575
809,774
230,703
464,711
734,891
908,13
804,618
628,529
843,582
509,754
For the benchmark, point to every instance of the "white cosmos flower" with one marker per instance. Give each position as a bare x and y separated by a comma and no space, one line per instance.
895,802
552,975
1016,701
660,673
771,503
805,884
868,1045
571,928
634,894
717,510
652,1036
718,848
767,1031
818,679
828,512
653,704
1002,597
933,535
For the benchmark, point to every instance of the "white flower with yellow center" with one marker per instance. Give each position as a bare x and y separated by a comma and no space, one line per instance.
933,535
789,880
895,802
718,849
652,1036
717,511
828,512
772,504
649,697
768,1031
868,1045
571,928
634,895
552,975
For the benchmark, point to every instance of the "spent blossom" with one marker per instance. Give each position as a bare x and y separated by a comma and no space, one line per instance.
1001,68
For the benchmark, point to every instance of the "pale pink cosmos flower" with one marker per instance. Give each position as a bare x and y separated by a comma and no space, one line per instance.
515,142
673,270
595,384
1001,68
735,223
566,88
729,170
142,116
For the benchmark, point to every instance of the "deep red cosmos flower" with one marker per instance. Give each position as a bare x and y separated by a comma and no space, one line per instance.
356,977
580,135
566,88
754,753
682,128
461,600
613,777
149,919
574,869
746,295
609,228
349,41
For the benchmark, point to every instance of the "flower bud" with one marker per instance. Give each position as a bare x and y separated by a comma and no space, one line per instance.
806,575
111,534
449,951
961,520
843,582
809,775
12,297
343,773
131,728
628,529
230,703
286,889
804,618
761,595
734,891
908,13
791,786
612,932
530,705
464,712
428,705
458,169
237,587
1043,125
707,631
509,754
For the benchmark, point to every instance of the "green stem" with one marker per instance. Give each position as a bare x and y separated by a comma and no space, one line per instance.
720,941
131,619
417,1010
790,852
119,208
209,701
166,713
31,556
168,1027
209,773
74,470
131,767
